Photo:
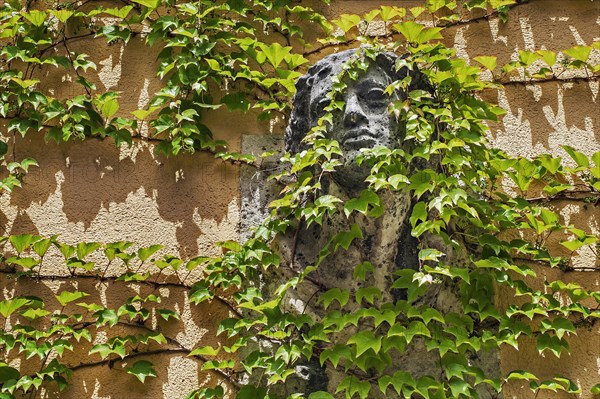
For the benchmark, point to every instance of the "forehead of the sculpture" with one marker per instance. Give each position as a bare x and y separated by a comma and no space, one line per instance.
332,65
324,72
373,76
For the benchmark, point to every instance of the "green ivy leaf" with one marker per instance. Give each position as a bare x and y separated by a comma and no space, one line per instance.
432,314
487,61
361,204
520,375
416,328
562,326
10,306
36,17
106,316
205,351
365,340
419,213
595,170
27,262
22,242
167,314
345,238
274,53
580,158
86,248
334,294
361,270
352,386
347,21
552,343
109,107
526,58
66,297
430,254
151,4
3,147
236,101
459,388
398,380
251,392
33,314
62,15
580,53
417,33
42,246
169,261
104,350
368,294
145,253
142,114
548,56
421,182
335,354
574,245
142,369
8,373
200,292
155,336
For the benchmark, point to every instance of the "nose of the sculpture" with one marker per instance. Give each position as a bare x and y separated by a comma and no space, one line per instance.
354,115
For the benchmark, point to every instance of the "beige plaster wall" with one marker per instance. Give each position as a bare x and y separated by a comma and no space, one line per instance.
91,191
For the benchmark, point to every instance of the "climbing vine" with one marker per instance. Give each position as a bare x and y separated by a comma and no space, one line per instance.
494,210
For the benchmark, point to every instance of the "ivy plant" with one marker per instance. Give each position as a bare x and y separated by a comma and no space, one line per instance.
256,51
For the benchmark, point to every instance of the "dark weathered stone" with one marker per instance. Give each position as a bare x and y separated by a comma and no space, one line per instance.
365,121
387,242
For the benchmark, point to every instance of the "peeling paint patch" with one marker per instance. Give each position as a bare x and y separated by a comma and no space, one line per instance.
494,29
110,75
181,373
460,43
527,34
536,90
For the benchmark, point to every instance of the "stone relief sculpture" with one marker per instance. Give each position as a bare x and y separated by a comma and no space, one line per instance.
365,122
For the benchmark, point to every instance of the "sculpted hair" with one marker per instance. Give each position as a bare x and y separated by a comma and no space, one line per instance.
301,119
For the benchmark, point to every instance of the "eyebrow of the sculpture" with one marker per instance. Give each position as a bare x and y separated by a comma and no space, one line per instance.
371,83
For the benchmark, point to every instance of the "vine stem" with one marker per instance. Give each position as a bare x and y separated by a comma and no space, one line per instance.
181,346
295,244
106,269
103,362
485,17
110,278
64,43
588,78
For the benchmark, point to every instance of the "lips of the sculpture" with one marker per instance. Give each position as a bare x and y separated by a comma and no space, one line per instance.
358,138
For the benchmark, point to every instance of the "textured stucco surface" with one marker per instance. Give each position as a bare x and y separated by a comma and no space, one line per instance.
91,191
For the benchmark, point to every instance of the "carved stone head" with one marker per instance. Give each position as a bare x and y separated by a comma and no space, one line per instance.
365,121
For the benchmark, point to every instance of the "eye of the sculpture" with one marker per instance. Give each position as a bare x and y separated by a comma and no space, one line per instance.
375,97
319,106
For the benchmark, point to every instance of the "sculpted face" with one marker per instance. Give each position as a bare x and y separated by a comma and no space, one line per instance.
365,121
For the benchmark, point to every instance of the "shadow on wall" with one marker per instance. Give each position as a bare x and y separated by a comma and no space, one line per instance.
95,192
92,191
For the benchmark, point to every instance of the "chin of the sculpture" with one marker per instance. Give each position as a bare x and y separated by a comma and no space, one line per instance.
350,175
